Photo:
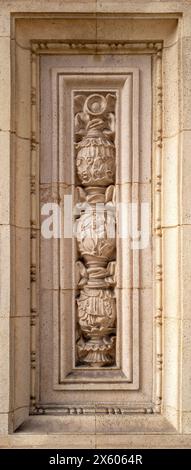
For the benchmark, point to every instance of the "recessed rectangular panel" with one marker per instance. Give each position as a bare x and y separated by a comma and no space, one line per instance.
92,351
98,335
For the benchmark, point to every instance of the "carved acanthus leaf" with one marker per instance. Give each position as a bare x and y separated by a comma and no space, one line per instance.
81,274
110,194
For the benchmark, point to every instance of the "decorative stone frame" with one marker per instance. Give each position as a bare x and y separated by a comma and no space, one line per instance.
174,417
155,50
74,380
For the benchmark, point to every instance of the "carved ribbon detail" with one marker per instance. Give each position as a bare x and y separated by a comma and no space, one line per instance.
95,269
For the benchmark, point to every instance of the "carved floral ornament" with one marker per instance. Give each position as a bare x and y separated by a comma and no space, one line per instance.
86,194
95,269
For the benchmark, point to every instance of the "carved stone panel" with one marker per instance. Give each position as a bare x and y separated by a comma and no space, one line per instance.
96,303
95,164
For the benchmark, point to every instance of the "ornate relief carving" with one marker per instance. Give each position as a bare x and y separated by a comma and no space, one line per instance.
122,47
91,410
158,231
88,194
94,124
34,186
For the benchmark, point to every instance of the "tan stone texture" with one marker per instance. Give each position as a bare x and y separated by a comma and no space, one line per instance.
139,50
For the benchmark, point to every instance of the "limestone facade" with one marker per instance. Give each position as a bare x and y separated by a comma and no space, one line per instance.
95,336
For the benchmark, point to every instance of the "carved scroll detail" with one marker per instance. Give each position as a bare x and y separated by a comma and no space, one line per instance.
95,269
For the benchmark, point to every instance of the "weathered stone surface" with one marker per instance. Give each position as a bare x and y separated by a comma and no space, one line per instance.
151,286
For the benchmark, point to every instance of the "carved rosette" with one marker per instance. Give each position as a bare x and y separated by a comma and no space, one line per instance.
95,268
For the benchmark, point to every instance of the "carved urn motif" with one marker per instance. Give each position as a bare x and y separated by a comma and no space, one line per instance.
93,238
95,165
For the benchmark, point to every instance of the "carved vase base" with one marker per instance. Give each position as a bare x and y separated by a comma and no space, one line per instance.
98,352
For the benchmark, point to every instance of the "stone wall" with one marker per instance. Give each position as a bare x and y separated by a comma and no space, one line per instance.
154,410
